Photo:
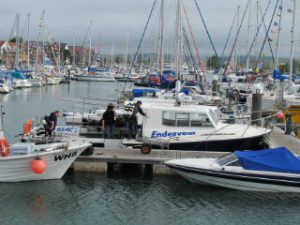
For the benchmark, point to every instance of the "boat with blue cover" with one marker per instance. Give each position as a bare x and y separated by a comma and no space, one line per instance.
273,170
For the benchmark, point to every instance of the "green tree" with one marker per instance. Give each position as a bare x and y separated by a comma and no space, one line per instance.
15,39
213,62
284,68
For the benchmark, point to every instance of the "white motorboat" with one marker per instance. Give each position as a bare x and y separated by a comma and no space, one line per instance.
197,127
274,170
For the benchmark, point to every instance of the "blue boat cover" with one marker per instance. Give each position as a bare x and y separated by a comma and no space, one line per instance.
276,160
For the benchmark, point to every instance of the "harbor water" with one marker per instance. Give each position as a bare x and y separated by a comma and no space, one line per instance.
97,199
87,198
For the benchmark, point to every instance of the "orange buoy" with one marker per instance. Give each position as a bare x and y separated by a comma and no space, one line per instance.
27,127
38,166
4,145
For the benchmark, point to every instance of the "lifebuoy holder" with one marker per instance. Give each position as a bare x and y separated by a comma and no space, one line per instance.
4,145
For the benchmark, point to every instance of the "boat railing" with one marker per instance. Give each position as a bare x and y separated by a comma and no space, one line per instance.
247,127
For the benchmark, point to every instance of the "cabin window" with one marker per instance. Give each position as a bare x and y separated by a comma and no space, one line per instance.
186,119
169,119
200,120
182,119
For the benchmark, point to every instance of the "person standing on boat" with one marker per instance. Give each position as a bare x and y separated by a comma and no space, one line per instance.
133,125
108,121
52,121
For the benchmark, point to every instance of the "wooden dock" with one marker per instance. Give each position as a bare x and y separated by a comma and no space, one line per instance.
278,138
102,158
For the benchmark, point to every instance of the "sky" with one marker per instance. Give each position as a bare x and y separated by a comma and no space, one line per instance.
117,22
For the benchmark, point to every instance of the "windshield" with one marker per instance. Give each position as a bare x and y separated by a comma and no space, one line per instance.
227,159
214,115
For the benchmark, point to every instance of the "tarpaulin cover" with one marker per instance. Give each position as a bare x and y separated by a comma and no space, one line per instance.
276,160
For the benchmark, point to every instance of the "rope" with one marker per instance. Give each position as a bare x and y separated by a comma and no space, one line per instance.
204,24
140,42
236,37
194,42
267,35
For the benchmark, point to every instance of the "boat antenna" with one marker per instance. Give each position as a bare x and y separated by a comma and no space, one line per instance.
1,122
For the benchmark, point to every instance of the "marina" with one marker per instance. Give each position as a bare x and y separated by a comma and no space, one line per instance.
155,112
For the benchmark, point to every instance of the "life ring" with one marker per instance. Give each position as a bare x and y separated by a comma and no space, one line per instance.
4,145
146,149
27,127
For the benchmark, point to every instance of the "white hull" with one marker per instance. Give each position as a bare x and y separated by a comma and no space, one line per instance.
17,84
4,88
236,184
94,78
53,80
17,168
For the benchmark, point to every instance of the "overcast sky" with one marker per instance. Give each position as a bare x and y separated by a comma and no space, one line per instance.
114,20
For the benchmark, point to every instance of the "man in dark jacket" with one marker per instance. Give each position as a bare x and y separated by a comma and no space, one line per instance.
133,125
52,121
108,121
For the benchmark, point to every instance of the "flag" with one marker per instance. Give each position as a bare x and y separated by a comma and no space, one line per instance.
280,7
66,47
275,24
289,10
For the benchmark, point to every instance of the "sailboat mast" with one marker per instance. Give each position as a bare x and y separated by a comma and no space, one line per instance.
17,41
74,44
161,37
178,48
90,45
278,35
28,42
248,35
292,44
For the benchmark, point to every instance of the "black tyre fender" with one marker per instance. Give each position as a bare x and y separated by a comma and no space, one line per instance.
146,149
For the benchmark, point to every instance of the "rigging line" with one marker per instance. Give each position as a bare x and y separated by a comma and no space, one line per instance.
206,29
236,37
228,37
195,45
191,53
257,32
140,42
267,34
269,40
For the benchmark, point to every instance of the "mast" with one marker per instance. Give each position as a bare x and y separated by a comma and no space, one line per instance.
161,37
28,42
74,43
90,45
17,41
178,62
248,35
278,34
126,52
257,28
292,44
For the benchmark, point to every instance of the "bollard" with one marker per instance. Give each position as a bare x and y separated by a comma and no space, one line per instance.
288,124
256,108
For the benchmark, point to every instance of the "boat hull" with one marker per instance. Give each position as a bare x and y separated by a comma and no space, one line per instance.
230,145
243,182
18,168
